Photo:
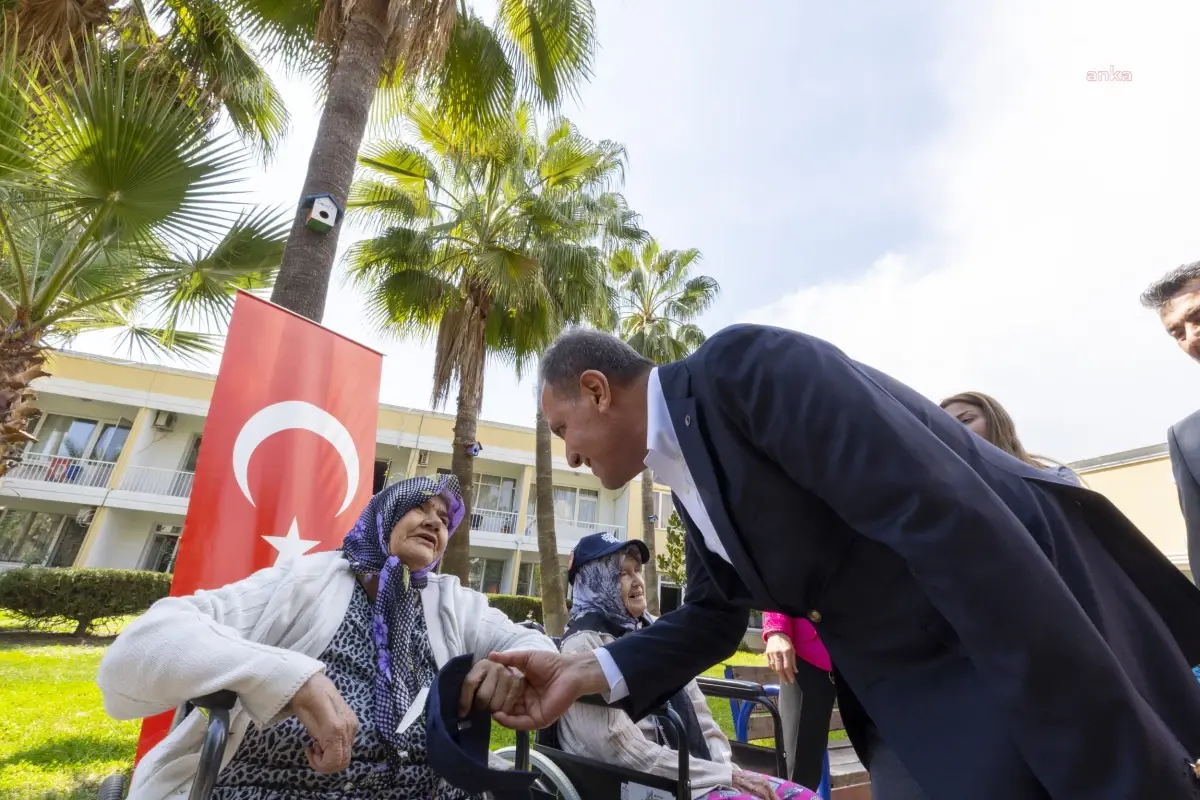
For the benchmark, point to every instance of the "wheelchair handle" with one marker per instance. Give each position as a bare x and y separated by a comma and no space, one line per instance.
749,692
218,706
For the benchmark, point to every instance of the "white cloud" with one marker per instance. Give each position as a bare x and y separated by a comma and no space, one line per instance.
1052,202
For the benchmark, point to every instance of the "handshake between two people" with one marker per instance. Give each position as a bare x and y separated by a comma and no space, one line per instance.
524,690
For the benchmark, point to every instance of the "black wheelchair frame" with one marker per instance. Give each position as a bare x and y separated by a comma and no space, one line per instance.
601,780
589,779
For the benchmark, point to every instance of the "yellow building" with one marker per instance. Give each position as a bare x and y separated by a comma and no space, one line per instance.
1140,483
108,481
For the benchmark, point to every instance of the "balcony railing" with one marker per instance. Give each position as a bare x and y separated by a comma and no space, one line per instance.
567,529
151,480
489,521
60,469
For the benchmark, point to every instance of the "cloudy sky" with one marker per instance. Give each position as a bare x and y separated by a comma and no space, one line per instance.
935,187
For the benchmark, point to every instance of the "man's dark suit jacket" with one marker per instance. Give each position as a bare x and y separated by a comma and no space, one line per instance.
1183,442
1010,635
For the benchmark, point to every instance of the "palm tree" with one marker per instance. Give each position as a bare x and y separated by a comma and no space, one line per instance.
482,242
199,47
617,225
471,73
659,301
114,210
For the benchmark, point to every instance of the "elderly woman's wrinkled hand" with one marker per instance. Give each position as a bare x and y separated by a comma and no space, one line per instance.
493,688
752,784
329,721
781,657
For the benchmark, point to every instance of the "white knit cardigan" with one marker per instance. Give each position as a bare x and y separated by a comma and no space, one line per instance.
610,735
260,637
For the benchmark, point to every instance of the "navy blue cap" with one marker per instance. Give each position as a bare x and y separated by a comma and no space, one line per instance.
457,749
598,545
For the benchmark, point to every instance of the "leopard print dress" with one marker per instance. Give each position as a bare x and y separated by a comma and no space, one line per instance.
270,763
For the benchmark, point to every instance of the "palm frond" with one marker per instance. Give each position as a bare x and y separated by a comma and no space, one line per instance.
551,44
114,149
474,85
205,45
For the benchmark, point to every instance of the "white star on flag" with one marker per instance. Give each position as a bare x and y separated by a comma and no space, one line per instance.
291,546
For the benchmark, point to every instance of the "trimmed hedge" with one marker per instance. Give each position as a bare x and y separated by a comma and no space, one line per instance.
87,596
83,596
517,607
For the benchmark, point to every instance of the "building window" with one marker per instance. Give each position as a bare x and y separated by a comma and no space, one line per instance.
664,506
37,538
70,437
162,549
486,575
571,504
529,580
493,493
111,441
380,479
64,437
193,454
70,539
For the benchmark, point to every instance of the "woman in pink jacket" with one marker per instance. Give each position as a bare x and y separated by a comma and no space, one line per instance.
806,692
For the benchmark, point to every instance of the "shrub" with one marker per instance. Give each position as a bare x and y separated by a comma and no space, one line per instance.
83,596
517,607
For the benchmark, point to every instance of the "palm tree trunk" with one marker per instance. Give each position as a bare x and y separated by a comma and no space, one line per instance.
554,598
307,266
651,570
457,560
20,364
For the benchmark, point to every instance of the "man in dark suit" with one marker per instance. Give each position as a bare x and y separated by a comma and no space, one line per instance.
1003,633
1176,298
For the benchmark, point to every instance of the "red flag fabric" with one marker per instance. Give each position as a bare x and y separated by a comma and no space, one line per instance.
287,457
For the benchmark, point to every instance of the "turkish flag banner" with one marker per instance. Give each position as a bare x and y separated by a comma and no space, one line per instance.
287,457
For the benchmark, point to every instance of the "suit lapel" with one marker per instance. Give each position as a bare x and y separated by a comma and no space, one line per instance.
676,390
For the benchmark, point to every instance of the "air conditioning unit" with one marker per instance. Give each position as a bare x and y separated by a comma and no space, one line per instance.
84,516
164,420
423,458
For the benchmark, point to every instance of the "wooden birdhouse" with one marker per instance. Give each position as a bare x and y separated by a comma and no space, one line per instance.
323,212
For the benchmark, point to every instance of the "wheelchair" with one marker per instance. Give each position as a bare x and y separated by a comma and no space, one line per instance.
561,776
564,776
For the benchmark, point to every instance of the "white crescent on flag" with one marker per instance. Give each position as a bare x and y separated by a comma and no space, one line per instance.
295,415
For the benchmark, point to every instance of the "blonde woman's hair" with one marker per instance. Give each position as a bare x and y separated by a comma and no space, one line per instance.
1000,428
1002,432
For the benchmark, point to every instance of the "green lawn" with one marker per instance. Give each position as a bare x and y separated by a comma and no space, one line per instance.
55,739
57,742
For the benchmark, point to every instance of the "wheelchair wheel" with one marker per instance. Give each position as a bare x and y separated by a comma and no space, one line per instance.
112,787
550,778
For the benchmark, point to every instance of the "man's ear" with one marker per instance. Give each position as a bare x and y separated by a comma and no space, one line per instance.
594,386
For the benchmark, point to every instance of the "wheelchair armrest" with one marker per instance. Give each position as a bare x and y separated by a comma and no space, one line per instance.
666,715
732,690
217,701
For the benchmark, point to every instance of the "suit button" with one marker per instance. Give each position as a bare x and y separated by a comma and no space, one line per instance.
814,616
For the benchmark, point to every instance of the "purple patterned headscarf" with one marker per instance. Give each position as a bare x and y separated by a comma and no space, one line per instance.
397,596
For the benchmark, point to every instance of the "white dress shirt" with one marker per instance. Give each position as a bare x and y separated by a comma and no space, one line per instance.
665,458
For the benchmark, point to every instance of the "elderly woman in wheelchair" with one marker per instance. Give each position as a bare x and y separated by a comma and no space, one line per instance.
609,602
331,657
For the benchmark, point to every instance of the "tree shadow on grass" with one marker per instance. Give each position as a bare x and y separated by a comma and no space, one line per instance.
71,750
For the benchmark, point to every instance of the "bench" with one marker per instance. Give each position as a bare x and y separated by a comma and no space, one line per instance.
848,779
